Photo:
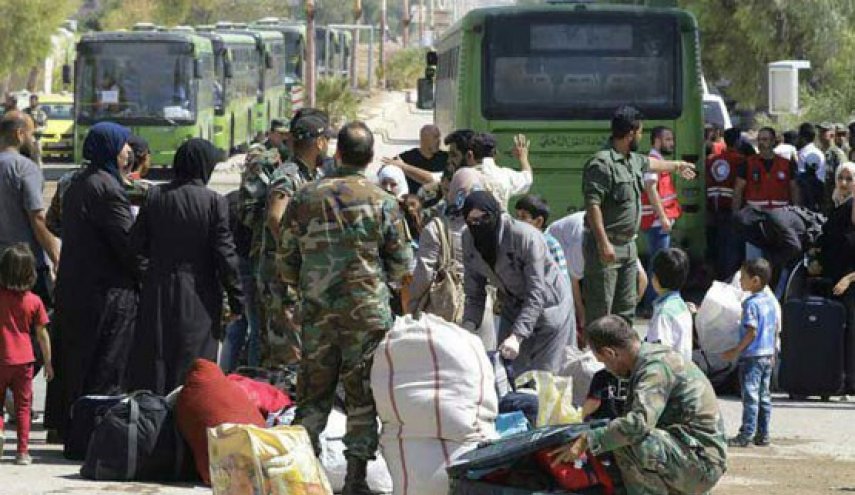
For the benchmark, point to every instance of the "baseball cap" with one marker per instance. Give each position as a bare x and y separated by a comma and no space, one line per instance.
839,127
825,126
277,125
310,126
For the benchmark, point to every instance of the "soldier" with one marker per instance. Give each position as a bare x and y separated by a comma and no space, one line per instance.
834,156
670,438
277,139
348,239
310,134
612,187
40,118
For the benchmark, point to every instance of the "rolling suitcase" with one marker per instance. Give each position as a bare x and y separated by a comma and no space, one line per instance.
509,466
812,347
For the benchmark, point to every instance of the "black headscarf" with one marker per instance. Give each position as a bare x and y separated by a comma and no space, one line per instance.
486,233
102,146
195,161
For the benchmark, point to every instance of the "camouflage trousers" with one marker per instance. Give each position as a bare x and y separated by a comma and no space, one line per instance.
661,465
278,341
331,355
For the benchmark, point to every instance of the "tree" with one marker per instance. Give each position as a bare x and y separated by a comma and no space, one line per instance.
740,37
27,27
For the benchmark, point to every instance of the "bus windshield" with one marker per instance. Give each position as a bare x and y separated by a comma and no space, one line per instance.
136,82
581,66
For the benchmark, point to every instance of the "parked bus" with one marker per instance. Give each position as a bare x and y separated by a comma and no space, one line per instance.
294,35
557,73
273,98
159,84
237,69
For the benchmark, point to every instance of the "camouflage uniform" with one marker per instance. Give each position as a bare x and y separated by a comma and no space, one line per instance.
279,341
347,240
671,437
254,188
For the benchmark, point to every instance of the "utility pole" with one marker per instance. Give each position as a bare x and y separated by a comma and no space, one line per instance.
382,44
431,26
405,25
311,73
421,23
357,19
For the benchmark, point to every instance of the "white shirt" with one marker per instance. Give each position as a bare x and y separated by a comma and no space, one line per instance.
671,324
811,155
504,182
570,232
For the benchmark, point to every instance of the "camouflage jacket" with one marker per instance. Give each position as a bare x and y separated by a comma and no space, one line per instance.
666,392
253,193
347,239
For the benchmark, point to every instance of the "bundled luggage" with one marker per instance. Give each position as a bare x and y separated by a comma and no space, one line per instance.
86,412
435,393
522,464
813,347
137,439
247,459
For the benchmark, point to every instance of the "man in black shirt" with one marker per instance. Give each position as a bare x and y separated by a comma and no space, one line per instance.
426,158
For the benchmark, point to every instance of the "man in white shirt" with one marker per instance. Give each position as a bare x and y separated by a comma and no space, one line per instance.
811,167
786,149
503,182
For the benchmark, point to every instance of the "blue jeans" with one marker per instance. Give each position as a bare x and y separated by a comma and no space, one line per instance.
244,330
657,240
724,245
755,373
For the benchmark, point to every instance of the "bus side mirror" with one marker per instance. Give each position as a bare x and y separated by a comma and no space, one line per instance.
431,58
424,88
228,71
197,68
268,61
66,74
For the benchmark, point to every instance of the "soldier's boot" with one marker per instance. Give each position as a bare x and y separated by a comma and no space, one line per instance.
355,482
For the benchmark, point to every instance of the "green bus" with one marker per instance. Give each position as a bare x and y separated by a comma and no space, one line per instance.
557,72
273,99
294,35
159,84
238,74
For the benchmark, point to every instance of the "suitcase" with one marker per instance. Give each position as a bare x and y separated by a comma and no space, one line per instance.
812,347
474,473
86,413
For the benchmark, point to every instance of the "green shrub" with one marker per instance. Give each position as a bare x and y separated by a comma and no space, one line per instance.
404,68
334,96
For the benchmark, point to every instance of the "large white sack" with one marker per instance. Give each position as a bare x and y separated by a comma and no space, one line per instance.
335,464
581,366
718,318
418,465
432,379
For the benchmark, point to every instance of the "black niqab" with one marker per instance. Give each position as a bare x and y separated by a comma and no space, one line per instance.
195,161
486,233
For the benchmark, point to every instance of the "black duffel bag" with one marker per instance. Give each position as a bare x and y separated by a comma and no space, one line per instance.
86,413
137,439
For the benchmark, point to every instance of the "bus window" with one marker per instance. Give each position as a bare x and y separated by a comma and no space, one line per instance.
561,67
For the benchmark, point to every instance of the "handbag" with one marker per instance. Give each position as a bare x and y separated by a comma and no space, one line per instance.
445,296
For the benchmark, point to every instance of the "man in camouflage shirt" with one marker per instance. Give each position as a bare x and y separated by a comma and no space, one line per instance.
348,238
310,134
670,438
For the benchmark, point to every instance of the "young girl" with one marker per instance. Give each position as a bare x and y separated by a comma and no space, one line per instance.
20,311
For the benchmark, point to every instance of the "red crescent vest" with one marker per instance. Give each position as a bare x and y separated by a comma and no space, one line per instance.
668,194
720,179
768,190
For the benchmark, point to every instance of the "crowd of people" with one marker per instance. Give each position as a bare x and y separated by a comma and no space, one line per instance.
309,261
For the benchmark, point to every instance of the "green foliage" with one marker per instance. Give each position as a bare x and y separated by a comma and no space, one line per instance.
334,96
740,37
404,68
27,27
122,14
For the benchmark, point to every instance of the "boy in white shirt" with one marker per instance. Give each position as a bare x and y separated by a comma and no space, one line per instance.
671,323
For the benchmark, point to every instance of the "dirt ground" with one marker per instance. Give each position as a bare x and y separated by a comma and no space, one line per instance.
763,471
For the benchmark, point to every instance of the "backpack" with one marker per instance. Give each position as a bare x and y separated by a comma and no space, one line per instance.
137,439
445,296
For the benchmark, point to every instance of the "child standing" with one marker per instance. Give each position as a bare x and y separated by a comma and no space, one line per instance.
20,311
756,354
671,323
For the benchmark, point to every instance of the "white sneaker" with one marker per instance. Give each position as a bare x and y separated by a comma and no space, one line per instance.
23,460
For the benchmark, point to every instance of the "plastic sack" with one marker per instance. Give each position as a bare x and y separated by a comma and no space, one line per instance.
581,366
718,318
508,424
335,464
246,459
554,398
